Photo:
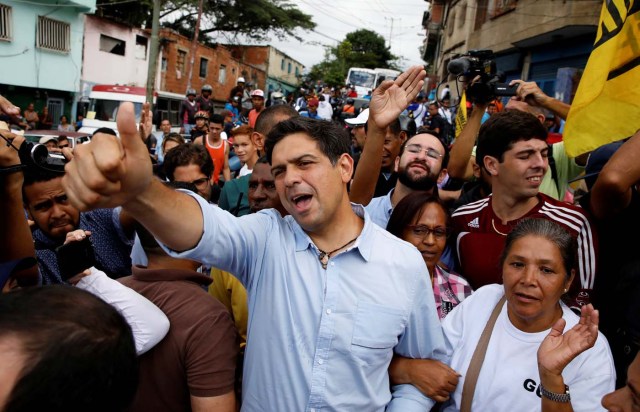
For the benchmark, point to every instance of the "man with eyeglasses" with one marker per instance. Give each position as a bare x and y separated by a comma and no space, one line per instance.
332,336
190,163
418,163
419,167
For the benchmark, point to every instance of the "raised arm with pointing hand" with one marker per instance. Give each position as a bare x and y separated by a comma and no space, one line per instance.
110,172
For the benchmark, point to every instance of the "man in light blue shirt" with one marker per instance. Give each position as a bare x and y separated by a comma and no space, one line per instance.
332,296
419,167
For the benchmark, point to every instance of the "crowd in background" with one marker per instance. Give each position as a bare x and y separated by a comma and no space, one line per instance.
302,254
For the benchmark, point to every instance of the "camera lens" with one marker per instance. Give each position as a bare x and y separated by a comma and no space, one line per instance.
39,154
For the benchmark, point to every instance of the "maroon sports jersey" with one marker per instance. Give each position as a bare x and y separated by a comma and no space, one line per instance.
480,237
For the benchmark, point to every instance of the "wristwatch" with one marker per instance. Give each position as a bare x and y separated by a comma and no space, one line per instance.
556,397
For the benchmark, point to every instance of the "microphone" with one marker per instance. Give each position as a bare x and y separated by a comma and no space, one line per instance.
459,66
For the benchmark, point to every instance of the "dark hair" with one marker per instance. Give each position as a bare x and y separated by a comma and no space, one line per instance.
105,130
216,118
270,116
79,351
172,137
187,154
502,130
332,139
409,207
408,125
62,137
445,155
550,230
395,126
34,174
63,115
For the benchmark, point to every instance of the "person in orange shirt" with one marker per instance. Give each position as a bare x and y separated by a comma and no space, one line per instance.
257,99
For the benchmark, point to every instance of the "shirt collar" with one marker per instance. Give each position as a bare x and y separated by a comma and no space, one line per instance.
364,242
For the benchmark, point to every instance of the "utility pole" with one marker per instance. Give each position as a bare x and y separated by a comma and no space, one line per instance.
391,29
153,51
194,45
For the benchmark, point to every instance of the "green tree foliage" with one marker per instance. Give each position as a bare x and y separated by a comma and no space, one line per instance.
368,50
361,48
255,19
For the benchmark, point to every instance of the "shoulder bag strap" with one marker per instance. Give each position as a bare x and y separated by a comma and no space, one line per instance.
478,357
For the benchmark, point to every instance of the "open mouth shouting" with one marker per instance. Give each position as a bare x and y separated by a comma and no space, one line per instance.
301,202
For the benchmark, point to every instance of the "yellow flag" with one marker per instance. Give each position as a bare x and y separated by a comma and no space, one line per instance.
461,114
606,106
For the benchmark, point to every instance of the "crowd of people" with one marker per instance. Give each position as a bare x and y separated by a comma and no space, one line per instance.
31,119
373,261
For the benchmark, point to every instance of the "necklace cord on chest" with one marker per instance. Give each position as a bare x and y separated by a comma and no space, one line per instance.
323,256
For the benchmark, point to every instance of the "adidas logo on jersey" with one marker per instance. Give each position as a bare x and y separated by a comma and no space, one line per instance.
474,223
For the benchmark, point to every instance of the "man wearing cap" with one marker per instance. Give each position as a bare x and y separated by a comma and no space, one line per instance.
51,142
312,109
257,99
238,89
358,132
204,101
188,109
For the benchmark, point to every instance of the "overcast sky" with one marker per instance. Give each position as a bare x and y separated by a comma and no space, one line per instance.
395,20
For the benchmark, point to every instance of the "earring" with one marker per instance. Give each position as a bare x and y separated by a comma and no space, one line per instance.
565,290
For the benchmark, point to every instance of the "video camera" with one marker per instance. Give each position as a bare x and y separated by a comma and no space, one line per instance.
34,154
38,155
481,63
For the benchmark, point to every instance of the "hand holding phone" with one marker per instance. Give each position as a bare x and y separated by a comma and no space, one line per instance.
75,256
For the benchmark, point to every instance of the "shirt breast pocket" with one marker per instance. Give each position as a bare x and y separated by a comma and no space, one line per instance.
375,332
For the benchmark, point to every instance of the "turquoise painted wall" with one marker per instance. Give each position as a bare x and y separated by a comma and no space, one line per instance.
22,64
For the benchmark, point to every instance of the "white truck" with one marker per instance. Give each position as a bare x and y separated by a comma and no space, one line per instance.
365,80
104,102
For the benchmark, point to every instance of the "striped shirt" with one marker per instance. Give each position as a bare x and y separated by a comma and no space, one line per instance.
480,237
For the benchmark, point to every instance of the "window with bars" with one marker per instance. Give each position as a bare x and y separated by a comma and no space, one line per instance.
6,27
53,35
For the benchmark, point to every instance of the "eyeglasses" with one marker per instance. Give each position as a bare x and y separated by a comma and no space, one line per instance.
200,182
417,149
422,231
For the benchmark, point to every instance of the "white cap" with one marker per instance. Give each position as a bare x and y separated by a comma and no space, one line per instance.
257,93
45,139
240,80
361,119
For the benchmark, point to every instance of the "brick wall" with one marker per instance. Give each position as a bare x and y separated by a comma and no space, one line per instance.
176,49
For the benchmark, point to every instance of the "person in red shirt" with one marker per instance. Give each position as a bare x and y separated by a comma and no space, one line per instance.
257,99
512,149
